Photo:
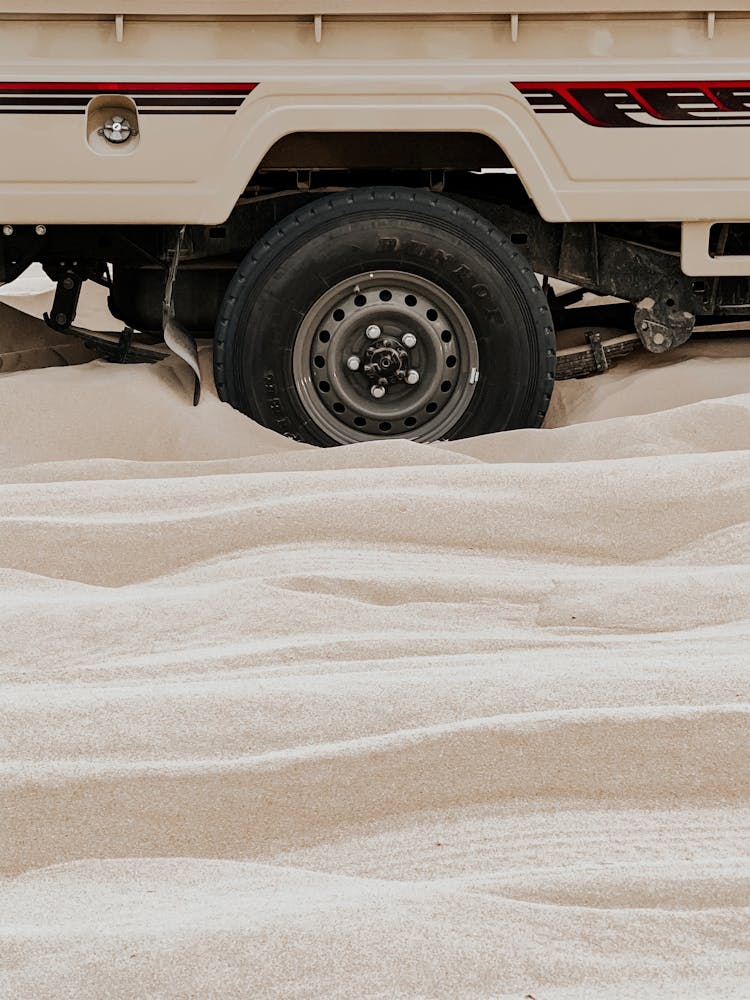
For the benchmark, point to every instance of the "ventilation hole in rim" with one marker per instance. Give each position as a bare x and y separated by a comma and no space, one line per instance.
324,336
447,336
410,421
411,300
319,361
431,407
338,408
338,315
432,315
360,300
324,386
451,361
385,426
360,422
385,295
446,386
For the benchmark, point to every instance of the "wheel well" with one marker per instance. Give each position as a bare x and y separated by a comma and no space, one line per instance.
386,151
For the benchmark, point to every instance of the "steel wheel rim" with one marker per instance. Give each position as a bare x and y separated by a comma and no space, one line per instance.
401,305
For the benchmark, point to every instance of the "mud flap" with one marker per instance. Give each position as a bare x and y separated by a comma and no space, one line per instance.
177,339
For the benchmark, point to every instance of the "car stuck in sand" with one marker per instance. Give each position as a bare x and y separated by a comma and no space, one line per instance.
356,200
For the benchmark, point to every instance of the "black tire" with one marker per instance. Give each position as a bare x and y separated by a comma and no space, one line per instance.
446,252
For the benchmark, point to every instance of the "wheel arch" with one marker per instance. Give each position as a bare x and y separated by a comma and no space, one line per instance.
468,137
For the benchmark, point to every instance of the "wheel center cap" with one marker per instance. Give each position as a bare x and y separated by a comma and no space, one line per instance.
385,359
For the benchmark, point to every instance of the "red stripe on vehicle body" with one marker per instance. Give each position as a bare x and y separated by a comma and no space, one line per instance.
647,95
626,85
133,85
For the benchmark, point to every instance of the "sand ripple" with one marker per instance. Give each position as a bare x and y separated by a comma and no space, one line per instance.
461,721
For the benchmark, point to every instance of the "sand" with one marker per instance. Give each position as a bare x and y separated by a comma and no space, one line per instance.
467,720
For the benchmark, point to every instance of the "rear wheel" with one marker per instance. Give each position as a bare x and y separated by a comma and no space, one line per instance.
385,313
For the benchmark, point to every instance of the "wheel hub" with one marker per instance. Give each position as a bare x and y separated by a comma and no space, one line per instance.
386,361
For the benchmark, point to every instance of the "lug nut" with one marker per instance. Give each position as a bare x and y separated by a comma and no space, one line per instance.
353,363
40,230
378,391
409,340
373,332
412,376
7,230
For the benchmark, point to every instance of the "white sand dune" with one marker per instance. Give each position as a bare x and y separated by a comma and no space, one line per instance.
456,721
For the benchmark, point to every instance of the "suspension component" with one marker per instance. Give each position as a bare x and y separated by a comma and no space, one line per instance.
65,303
